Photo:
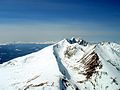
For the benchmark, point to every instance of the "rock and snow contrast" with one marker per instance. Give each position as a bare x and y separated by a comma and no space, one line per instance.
67,65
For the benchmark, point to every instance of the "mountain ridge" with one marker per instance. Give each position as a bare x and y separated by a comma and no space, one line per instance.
67,65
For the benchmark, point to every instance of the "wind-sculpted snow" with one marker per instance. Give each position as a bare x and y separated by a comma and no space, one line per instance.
67,65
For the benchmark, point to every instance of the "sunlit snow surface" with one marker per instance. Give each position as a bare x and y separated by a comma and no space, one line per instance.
66,65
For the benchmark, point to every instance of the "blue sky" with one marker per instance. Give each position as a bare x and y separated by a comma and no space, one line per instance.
46,20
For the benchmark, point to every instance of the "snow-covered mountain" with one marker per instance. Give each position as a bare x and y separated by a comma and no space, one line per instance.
67,65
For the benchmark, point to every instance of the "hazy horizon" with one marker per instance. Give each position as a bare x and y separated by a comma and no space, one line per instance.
54,20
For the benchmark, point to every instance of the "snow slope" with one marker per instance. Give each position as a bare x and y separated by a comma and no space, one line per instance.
67,65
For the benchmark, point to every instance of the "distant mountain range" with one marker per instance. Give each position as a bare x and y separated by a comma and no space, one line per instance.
14,50
71,64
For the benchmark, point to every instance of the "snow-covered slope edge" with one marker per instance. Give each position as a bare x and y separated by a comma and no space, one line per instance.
67,65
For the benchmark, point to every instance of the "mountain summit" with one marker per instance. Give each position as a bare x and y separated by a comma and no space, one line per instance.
67,65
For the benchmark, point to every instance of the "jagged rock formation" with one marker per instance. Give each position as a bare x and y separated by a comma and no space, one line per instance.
67,65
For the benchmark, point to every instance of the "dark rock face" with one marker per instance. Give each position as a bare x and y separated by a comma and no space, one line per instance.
70,51
91,62
79,41
82,42
72,40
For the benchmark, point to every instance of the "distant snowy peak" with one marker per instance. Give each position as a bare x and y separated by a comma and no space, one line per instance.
114,46
71,64
78,40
